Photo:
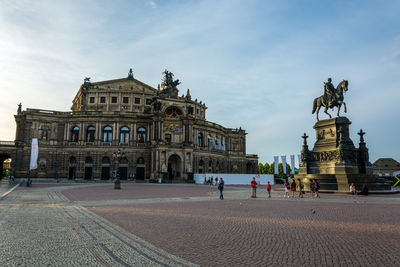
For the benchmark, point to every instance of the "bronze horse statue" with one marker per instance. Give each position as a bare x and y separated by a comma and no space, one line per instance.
337,102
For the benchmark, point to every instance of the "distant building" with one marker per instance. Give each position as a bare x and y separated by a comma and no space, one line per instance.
386,167
159,134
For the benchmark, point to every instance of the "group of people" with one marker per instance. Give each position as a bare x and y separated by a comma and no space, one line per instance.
293,187
211,180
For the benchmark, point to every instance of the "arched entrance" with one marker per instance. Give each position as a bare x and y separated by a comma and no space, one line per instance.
88,168
105,168
72,168
174,167
5,166
123,169
140,169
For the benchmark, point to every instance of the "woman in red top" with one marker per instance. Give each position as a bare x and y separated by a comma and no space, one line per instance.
253,187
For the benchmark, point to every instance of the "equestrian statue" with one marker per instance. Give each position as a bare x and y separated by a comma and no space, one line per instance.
332,97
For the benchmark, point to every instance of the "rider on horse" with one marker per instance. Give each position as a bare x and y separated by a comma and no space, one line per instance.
329,94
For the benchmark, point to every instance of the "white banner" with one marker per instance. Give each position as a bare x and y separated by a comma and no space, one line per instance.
292,163
299,157
34,154
284,163
276,163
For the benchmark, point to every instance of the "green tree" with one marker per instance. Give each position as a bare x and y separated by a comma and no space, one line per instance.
266,168
260,168
280,169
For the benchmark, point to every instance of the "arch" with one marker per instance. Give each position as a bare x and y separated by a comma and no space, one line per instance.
105,168
105,160
210,166
173,112
174,167
201,165
249,167
72,168
107,134
124,135
200,142
91,133
7,167
123,168
75,134
141,135
88,168
140,169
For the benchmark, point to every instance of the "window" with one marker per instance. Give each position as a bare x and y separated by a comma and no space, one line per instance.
141,135
148,101
91,99
124,135
190,110
137,100
90,134
197,111
107,134
75,134
200,139
114,99
102,99
173,112
125,100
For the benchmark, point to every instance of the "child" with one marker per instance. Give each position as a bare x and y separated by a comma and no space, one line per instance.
269,189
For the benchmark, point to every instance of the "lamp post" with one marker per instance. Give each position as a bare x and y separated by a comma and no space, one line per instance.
117,157
56,163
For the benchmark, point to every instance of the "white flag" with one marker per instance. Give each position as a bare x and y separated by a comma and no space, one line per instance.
292,163
34,154
276,163
284,163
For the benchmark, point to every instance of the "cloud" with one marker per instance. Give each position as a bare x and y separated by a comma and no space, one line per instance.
152,4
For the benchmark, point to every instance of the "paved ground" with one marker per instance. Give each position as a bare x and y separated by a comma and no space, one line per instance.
41,226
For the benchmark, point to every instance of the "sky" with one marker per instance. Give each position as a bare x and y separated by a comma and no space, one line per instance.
256,64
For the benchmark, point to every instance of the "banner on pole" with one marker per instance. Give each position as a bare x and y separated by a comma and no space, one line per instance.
292,163
276,164
284,163
34,154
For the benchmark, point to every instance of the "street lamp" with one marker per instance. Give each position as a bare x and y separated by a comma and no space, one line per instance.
117,157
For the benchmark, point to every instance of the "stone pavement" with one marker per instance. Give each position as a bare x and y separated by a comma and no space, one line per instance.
39,228
57,226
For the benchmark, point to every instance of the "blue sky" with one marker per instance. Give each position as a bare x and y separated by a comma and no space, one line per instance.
256,64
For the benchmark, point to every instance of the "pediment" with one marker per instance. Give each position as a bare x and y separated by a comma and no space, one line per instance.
125,84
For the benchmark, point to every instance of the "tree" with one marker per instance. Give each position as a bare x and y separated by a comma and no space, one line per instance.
266,168
260,168
280,169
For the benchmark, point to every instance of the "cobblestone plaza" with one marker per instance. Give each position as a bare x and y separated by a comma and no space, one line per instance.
187,225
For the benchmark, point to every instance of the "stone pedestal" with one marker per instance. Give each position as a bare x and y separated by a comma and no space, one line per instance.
335,161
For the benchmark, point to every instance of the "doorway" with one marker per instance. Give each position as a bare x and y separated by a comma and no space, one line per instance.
174,167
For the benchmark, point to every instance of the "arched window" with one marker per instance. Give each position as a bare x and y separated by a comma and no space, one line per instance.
124,135
90,134
88,160
107,134
72,160
75,134
200,139
173,112
105,160
141,132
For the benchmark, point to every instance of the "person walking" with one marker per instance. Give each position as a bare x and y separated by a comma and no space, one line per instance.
317,186
286,185
293,187
301,188
253,185
221,188
269,189
312,188
216,181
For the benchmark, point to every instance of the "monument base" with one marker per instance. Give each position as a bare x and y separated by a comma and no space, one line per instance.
335,162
